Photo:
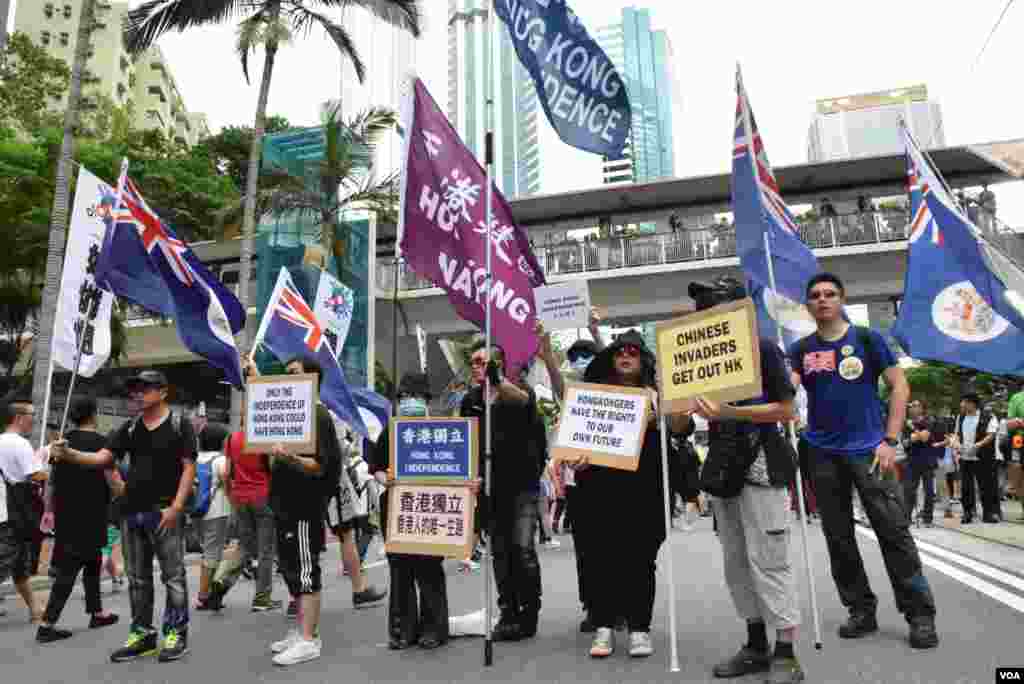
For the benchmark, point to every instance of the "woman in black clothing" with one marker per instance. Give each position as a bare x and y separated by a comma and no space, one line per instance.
623,563
80,499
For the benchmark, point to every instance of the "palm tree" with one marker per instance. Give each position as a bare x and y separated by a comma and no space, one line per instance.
153,18
59,218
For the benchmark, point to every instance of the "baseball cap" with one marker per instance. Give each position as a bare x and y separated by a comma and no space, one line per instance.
150,378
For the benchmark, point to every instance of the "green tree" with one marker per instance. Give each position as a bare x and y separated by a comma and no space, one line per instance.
153,18
31,82
941,385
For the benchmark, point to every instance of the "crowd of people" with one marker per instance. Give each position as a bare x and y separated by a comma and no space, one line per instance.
280,505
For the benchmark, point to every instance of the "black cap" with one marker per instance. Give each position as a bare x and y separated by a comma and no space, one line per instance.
150,378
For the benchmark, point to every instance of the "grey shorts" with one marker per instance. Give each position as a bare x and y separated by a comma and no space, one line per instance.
214,537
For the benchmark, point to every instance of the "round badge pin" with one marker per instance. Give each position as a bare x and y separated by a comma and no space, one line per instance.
851,368
847,349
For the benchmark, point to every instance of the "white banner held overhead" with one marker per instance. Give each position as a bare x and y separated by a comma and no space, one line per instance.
334,305
82,305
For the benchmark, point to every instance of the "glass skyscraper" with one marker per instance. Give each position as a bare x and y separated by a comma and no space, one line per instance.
517,110
644,59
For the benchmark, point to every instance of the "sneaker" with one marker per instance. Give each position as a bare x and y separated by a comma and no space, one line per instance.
262,605
175,645
300,652
747,661
48,634
603,644
785,671
97,621
553,544
293,609
289,640
368,597
139,644
857,625
922,632
640,645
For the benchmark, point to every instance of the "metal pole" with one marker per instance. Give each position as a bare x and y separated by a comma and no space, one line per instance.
46,406
394,331
489,161
790,429
674,648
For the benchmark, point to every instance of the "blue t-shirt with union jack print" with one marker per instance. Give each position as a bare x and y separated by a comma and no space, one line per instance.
844,414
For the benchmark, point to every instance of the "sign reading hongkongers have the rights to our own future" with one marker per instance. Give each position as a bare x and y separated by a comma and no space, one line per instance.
604,424
433,450
281,409
714,353
431,520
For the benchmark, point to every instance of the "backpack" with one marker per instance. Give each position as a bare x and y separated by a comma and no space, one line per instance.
202,489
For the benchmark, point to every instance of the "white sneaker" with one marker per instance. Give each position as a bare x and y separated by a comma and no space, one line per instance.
640,644
553,544
603,644
300,652
289,640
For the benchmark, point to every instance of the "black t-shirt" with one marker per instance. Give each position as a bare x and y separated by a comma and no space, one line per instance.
296,495
514,442
156,459
923,453
81,495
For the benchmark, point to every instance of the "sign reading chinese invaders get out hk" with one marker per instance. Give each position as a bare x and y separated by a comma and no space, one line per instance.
603,423
431,520
714,353
433,450
281,409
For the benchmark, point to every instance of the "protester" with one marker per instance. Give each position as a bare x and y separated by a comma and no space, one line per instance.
839,366
925,442
213,524
161,450
78,499
1015,428
19,470
517,456
300,486
753,525
621,567
974,449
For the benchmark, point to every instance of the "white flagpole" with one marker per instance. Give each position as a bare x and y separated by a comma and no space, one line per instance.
748,129
46,405
670,557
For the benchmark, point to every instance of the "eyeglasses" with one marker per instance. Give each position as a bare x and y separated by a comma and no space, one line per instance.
823,294
628,350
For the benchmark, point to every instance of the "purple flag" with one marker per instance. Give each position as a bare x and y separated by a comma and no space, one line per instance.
443,223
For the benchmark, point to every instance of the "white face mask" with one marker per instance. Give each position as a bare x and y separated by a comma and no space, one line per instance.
412,407
581,363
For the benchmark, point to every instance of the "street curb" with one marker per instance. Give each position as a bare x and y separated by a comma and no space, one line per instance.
969,533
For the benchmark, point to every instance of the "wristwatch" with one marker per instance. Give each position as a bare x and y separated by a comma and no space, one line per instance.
892,441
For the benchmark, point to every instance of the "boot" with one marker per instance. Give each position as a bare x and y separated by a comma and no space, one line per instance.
508,628
922,632
528,617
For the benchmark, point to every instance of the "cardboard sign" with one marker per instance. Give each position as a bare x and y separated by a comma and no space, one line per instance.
714,353
431,520
433,450
281,409
563,305
604,423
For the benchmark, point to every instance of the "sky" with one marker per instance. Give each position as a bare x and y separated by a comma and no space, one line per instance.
792,54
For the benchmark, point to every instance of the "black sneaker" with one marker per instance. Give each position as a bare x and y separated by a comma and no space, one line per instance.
262,605
139,644
922,632
747,661
858,625
175,645
368,597
47,635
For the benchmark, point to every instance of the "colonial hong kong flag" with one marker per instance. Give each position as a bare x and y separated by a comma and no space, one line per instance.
759,210
942,317
144,261
289,329
443,228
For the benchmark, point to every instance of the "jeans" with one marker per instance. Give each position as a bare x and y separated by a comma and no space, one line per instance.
916,476
257,538
835,477
516,566
69,562
142,541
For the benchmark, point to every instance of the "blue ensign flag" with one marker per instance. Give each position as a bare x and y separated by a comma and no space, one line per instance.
290,329
942,317
775,311
997,280
143,261
579,88
758,209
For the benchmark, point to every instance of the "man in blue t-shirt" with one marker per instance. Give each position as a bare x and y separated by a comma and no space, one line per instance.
839,366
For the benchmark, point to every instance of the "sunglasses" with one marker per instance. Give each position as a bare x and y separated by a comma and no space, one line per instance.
823,294
573,358
628,350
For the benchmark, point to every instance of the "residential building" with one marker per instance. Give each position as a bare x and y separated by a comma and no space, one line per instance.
145,81
5,14
517,110
867,124
644,58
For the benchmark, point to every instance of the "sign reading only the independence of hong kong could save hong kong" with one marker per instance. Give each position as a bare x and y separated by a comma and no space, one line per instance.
433,449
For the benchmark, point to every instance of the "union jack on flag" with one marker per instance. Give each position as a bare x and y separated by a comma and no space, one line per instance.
921,217
154,233
771,198
293,308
